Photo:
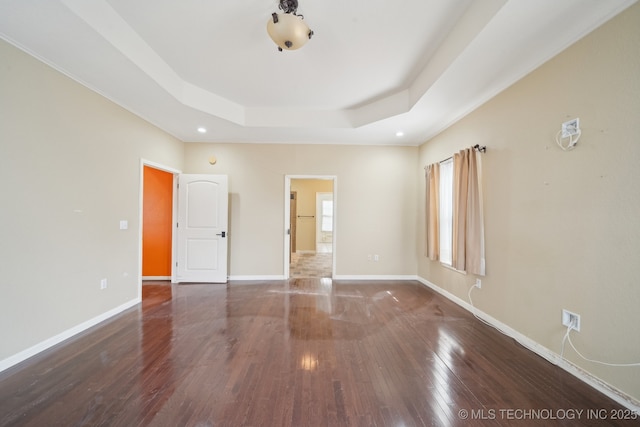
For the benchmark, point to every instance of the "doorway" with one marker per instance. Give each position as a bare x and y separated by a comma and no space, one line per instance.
158,203
310,238
207,198
157,224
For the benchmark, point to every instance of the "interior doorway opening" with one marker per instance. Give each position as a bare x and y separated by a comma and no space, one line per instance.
310,224
158,203
157,224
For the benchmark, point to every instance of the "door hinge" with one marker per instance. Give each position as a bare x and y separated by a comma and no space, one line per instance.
177,224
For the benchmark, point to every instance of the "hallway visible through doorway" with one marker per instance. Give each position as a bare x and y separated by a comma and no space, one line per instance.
316,265
311,226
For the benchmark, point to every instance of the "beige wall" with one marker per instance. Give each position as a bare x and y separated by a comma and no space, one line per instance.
376,207
70,171
306,190
562,228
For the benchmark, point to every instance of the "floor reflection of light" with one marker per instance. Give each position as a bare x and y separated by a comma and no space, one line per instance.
447,345
324,303
391,295
309,362
444,369
442,393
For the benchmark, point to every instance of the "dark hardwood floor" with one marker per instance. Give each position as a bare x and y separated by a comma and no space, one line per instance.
304,352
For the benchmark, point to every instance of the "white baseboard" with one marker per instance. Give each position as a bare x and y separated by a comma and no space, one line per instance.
57,339
607,389
375,277
336,277
257,278
156,277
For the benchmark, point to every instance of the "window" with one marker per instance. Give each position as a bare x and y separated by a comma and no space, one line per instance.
446,212
453,212
327,216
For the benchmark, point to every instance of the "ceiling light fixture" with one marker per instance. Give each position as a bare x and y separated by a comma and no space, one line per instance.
288,30
202,130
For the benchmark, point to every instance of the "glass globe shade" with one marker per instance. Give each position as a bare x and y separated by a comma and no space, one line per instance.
289,28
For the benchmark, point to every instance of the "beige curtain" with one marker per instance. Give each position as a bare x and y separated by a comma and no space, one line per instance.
432,177
468,221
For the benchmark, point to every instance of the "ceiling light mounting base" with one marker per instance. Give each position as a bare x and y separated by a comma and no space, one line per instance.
289,6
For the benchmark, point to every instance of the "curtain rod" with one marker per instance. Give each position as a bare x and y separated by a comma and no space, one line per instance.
478,147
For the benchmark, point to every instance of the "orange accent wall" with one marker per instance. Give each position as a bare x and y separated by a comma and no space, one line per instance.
156,222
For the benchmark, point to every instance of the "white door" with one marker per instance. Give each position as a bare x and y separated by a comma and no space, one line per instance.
202,228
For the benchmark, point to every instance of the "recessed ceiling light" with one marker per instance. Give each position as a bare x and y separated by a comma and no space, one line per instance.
202,130
399,133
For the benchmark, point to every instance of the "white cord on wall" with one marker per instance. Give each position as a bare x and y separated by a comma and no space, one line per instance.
473,311
572,141
567,337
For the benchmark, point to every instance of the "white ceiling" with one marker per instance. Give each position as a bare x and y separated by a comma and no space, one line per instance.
372,68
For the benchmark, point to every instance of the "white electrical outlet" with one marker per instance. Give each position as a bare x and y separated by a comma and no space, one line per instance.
376,258
571,320
103,284
478,283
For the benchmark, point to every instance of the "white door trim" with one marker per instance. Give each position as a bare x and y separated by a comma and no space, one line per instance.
287,218
175,172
